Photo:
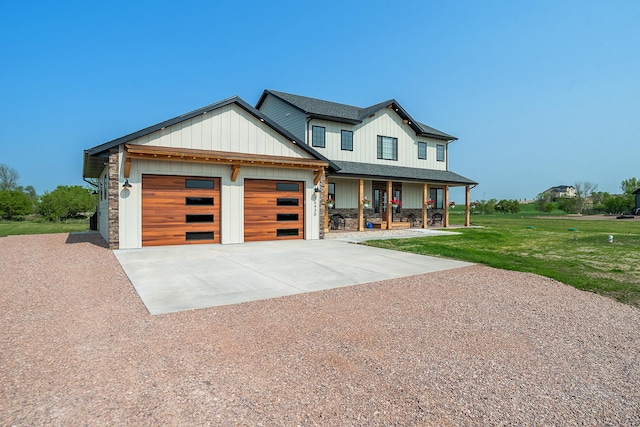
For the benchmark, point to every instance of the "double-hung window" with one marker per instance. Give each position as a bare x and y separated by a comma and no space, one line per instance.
422,150
346,140
440,153
387,148
318,136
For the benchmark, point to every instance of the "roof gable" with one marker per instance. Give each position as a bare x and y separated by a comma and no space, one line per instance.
100,150
327,110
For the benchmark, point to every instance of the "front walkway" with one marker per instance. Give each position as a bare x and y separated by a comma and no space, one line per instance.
176,278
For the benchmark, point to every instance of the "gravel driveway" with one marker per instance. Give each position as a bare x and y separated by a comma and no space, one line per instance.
472,346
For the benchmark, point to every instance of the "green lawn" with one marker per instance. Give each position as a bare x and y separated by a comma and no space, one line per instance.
582,258
34,227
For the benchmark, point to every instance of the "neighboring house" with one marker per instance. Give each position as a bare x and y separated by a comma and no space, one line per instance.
382,153
560,192
230,173
637,194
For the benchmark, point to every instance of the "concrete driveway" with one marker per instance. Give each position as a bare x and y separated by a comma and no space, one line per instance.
176,278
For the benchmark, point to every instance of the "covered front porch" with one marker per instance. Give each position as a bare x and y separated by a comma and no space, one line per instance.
361,203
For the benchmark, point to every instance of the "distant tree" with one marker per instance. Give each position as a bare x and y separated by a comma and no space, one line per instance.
584,189
14,203
508,206
66,201
486,206
568,204
617,203
543,202
8,178
628,186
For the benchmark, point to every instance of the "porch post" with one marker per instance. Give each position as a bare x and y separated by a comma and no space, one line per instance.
467,206
425,196
389,207
445,221
360,206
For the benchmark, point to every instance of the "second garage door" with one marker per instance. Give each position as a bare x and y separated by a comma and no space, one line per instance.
273,210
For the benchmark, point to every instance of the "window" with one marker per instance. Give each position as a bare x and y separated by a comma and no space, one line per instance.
346,140
422,150
286,201
387,148
199,235
198,183
284,232
317,136
331,193
287,217
437,195
440,153
287,186
198,201
198,218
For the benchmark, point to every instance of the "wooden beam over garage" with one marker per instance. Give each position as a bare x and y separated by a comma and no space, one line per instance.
236,160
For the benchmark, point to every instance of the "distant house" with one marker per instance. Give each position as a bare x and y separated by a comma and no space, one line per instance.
637,194
561,191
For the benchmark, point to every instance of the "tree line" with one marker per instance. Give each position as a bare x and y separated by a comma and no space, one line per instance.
65,202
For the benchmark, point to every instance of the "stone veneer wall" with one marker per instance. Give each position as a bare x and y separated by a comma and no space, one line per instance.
322,204
113,205
351,215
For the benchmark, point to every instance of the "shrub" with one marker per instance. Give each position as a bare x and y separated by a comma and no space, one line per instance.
14,203
66,201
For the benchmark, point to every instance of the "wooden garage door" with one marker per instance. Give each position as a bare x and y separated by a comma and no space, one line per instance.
273,210
180,210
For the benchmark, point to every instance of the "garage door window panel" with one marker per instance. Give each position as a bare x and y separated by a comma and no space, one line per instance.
197,218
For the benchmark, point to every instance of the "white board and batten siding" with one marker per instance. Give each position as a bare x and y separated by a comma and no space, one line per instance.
365,142
227,129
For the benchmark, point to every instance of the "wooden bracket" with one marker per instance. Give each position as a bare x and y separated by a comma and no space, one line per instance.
235,170
318,176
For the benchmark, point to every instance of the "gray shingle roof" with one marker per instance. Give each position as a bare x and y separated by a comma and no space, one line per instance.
401,173
321,109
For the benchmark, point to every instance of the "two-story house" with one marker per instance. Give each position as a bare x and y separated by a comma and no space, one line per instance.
382,153
232,173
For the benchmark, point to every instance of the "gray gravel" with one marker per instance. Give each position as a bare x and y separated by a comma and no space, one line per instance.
472,346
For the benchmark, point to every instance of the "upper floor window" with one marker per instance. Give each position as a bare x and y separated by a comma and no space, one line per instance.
346,140
387,148
318,136
422,150
440,153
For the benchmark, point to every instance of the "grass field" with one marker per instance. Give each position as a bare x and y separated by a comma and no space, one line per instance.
34,227
575,252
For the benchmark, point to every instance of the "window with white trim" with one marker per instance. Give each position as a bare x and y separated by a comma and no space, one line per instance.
440,153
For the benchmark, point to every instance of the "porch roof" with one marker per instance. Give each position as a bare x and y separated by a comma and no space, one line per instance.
383,172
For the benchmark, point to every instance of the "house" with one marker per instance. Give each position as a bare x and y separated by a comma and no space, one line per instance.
382,155
231,173
561,192
637,194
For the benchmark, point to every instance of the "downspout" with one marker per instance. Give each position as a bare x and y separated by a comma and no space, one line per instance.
306,135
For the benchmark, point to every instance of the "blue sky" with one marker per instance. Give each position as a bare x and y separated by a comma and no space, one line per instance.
539,93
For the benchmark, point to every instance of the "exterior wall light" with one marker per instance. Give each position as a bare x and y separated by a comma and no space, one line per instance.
126,184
